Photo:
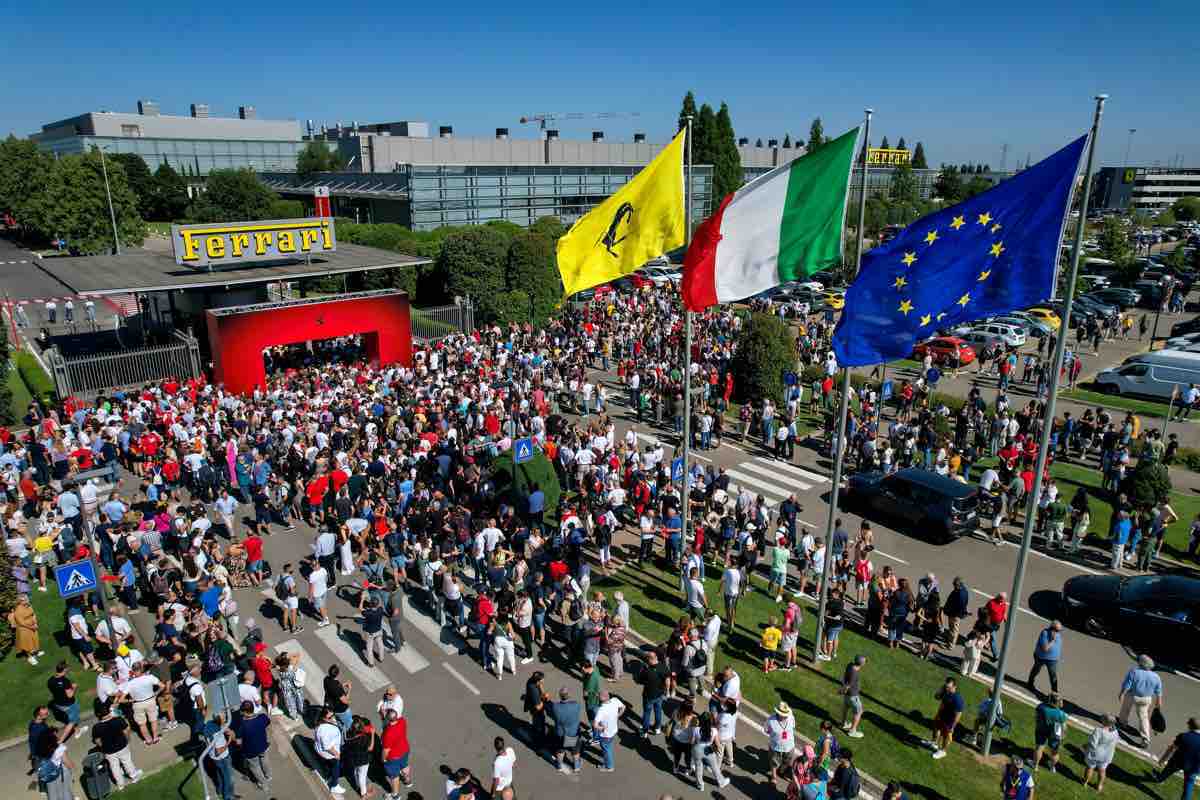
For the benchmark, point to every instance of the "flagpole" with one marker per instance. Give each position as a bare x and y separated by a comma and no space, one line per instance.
839,443
687,351
1047,425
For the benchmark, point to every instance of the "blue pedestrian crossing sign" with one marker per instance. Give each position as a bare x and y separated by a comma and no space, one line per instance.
886,391
677,469
933,376
77,577
522,451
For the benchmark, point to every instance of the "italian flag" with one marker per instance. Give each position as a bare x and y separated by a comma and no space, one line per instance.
782,227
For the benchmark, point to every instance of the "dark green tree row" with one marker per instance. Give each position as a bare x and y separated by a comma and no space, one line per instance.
713,142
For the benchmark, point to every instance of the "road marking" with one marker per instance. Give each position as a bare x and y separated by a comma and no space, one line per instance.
1184,675
312,681
371,678
431,630
789,468
460,678
764,485
889,555
1065,563
1019,608
410,659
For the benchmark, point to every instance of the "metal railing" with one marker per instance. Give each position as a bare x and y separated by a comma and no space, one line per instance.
438,322
88,376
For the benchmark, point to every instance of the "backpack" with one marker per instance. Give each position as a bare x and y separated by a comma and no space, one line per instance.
699,658
48,772
853,784
281,590
159,585
213,663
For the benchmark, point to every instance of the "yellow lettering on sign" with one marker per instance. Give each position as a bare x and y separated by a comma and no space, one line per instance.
287,242
326,239
263,240
190,247
308,237
237,243
215,246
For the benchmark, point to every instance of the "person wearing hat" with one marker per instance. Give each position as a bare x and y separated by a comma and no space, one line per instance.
781,736
24,622
1016,783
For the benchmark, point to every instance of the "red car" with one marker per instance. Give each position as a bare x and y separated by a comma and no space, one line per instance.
942,349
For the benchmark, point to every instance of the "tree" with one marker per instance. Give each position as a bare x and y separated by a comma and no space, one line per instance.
73,204
704,128
316,157
816,135
1186,209
1166,218
1149,484
532,269
687,110
918,159
170,195
904,185
232,195
23,171
550,227
949,186
1113,242
900,144
977,185
8,601
1178,258
286,209
141,182
727,161
987,167
472,263
884,144
765,354
514,483
965,169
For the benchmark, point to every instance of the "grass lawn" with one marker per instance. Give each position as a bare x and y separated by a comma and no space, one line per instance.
21,397
1150,408
165,784
24,685
898,694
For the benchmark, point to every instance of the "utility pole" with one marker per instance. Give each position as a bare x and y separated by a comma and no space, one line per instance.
112,215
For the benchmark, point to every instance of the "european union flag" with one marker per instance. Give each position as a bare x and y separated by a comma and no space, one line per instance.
989,255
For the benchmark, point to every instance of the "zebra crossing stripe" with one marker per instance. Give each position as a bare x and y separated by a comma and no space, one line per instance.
432,631
757,483
370,678
412,661
773,471
787,469
312,681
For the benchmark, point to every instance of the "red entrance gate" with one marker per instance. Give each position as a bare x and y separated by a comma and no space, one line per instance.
238,335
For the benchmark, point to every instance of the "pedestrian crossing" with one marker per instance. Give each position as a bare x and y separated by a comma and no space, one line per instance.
370,678
772,479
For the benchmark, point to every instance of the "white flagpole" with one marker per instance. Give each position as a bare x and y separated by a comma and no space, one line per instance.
839,443
687,349
1047,424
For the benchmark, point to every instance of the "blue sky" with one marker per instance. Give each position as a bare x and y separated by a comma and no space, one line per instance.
963,78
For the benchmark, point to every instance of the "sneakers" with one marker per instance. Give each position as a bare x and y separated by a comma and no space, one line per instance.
823,657
80,731
32,661
607,769
40,653
527,660
336,790
855,734
137,776
323,623
939,754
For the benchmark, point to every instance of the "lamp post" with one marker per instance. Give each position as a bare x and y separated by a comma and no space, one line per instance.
112,214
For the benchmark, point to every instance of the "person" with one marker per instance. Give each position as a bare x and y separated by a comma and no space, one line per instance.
110,735
727,719
502,766
318,589
567,715
771,637
946,719
250,738
217,735
695,662
1046,654
894,791
361,747
852,707
63,701
24,622
955,610
54,773
536,700
396,752
372,622
1049,727
285,591
846,783
337,697
606,724
705,753
1016,783
1183,755
142,689
327,743
781,738
653,679
1101,747
1142,690
591,689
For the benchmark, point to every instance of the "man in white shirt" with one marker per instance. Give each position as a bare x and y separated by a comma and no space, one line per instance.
731,582
607,723
327,739
120,626
142,689
712,635
248,692
502,766
318,587
392,701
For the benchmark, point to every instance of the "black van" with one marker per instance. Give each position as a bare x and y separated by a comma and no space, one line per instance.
929,504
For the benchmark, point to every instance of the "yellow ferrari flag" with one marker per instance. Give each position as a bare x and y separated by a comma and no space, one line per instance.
640,222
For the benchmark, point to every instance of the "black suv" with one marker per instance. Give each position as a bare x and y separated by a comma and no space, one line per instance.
930,504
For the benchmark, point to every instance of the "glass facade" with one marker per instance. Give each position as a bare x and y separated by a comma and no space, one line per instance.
196,157
462,195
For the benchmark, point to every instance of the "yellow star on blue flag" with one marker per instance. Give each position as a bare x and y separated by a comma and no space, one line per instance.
994,253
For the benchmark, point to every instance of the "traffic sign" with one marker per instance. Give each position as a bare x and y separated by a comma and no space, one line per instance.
677,469
886,391
789,378
77,577
522,451
933,376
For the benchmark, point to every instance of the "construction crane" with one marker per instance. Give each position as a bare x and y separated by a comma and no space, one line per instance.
552,116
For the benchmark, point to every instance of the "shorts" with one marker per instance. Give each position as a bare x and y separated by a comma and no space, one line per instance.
67,715
778,759
394,766
82,647
778,577
769,653
1095,763
254,566
944,726
292,603
145,711
570,744
318,601
1045,739
166,703
789,641
853,702
730,603
831,633
399,563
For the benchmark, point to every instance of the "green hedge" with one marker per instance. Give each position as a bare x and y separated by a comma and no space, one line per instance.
513,482
35,378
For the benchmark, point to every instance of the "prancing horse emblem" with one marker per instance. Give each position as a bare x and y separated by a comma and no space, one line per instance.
610,238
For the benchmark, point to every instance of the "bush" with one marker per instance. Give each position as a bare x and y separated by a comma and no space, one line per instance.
764,354
514,482
35,378
1149,484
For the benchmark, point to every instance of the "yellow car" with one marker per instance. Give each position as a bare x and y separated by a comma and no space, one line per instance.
1045,315
834,300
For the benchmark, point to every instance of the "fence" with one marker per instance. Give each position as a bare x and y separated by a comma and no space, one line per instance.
431,324
87,376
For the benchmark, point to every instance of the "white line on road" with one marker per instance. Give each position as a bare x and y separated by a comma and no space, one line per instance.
428,627
312,682
1184,675
460,678
761,483
1065,563
410,659
897,559
1019,608
370,678
790,469
770,471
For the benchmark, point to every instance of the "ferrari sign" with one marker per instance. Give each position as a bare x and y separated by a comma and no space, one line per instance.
241,242
879,157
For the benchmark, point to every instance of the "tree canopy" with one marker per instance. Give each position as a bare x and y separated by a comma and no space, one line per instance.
316,157
949,186
170,198
688,109
904,185
816,135
232,195
1113,242
765,354
1186,209
141,182
73,204
727,161
918,157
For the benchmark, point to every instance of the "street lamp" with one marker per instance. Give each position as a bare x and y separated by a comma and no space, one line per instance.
112,215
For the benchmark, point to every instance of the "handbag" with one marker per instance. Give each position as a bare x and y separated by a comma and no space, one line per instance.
1158,721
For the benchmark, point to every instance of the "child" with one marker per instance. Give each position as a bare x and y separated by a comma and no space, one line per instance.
770,644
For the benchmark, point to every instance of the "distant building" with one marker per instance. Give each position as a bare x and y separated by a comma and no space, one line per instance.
193,145
1147,189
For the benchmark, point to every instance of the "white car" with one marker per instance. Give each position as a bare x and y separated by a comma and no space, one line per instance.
1183,341
815,286
1005,333
662,277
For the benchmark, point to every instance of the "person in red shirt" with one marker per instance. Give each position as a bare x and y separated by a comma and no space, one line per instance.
396,752
997,612
266,678
254,553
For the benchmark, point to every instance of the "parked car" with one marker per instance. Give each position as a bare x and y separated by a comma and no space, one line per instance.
812,286
1045,315
942,350
1187,326
1155,613
1092,304
661,276
1186,340
1009,334
1030,327
1117,296
980,339
1155,374
834,299
1151,293
929,503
